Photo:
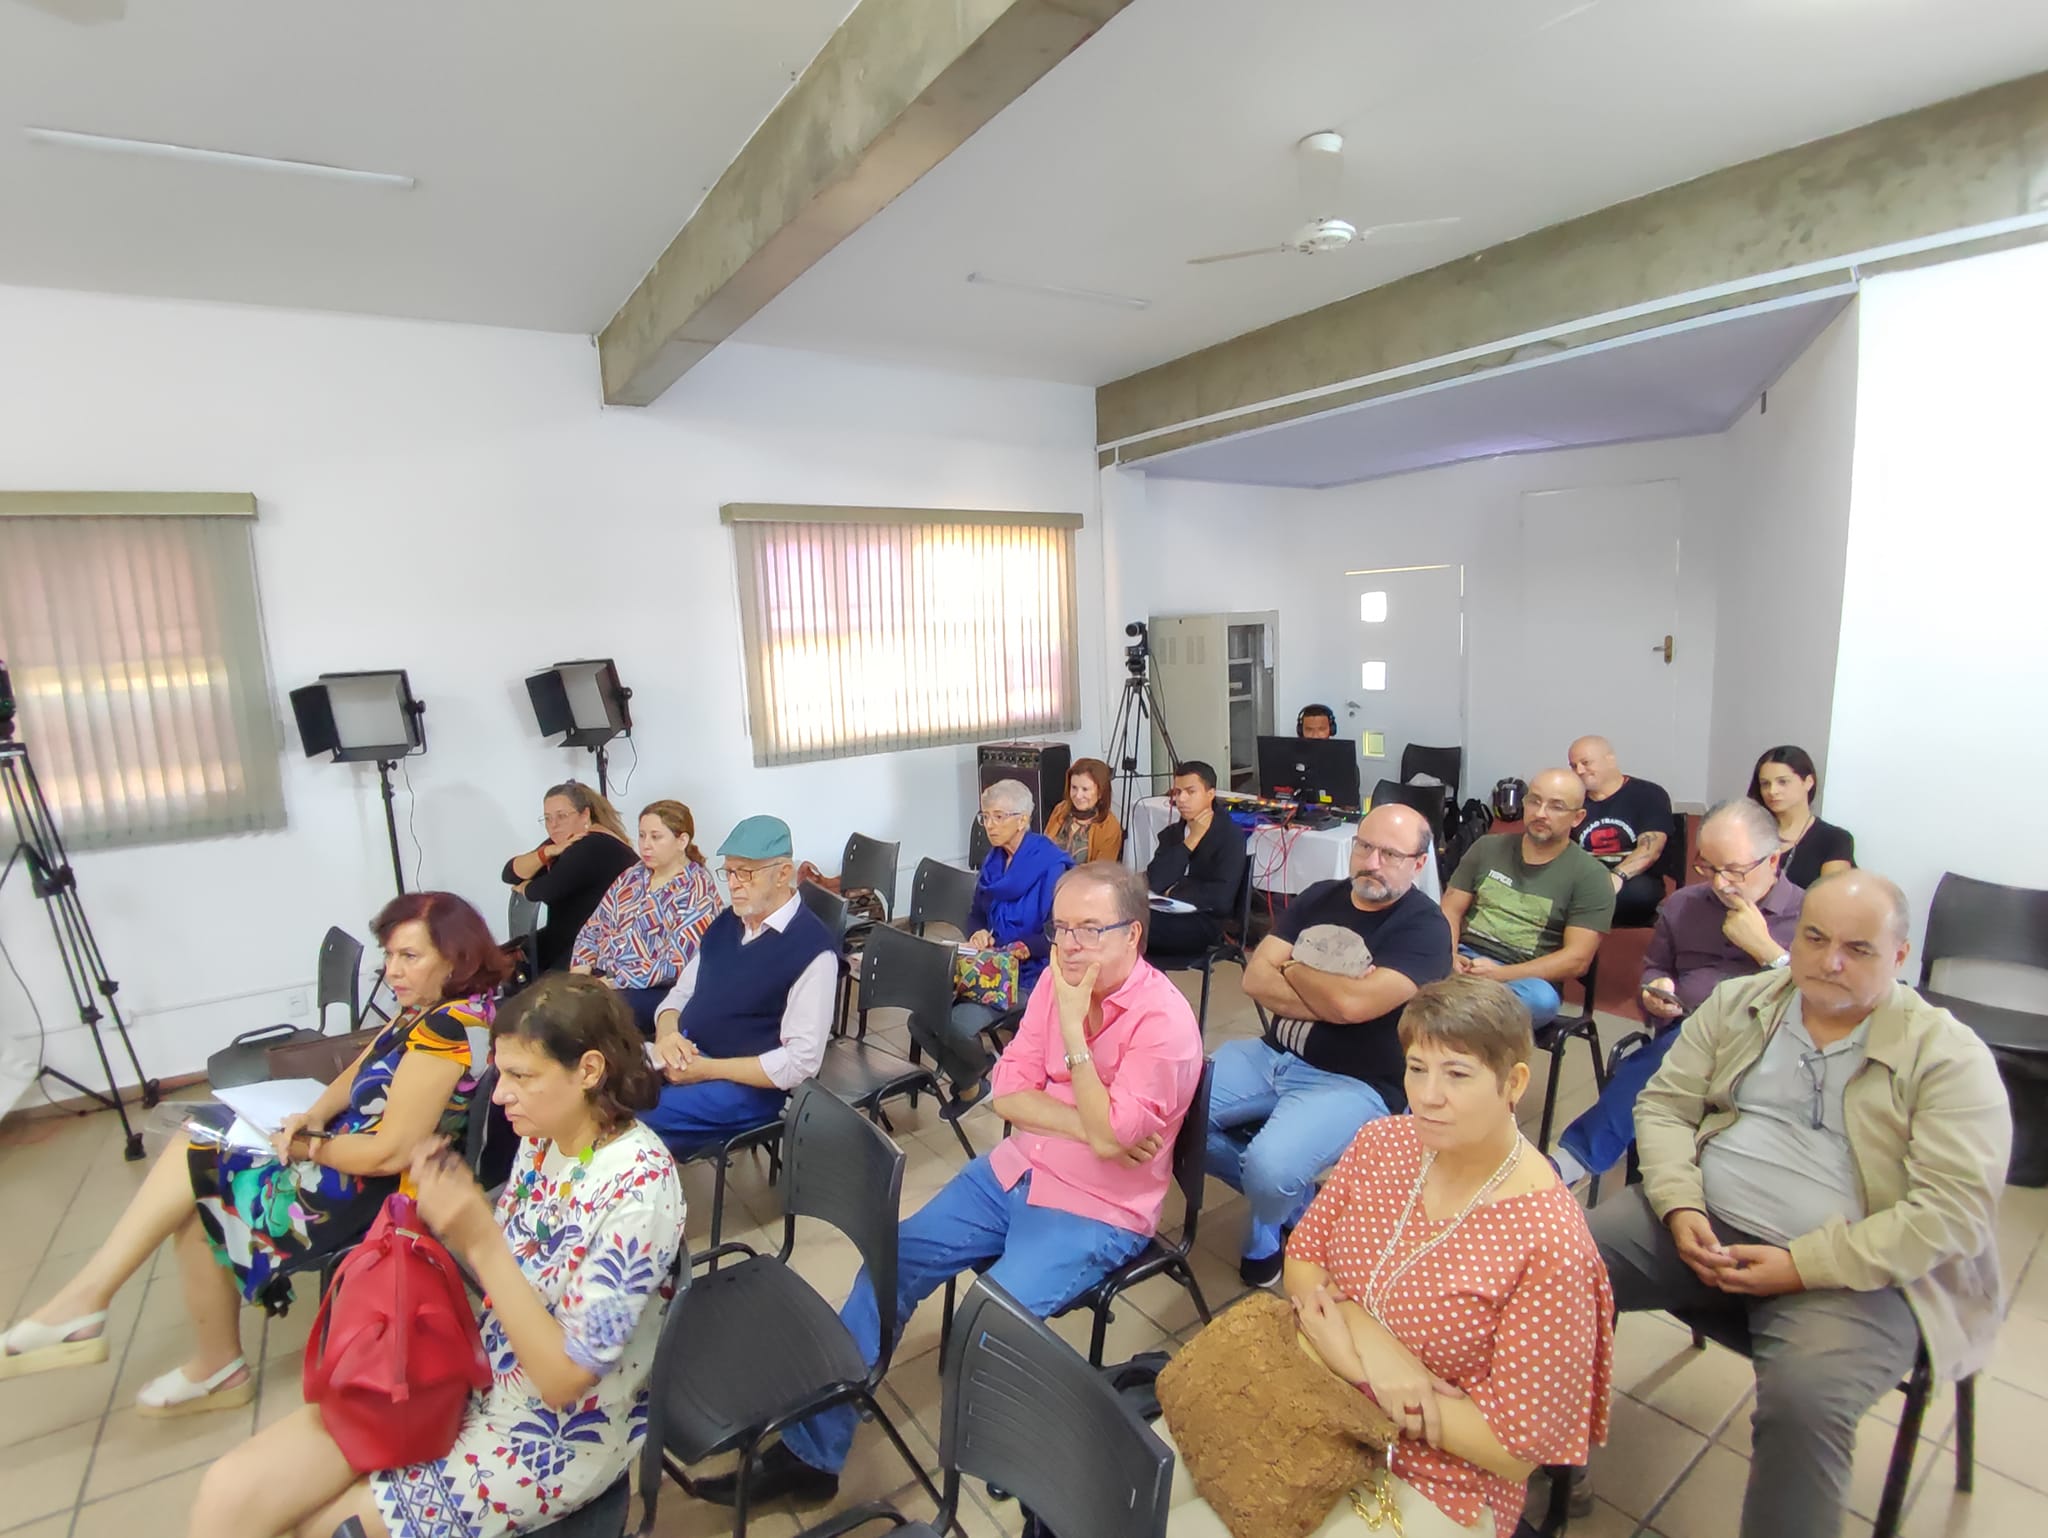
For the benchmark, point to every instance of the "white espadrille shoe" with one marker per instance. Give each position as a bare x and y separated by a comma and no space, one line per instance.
176,1394
30,1347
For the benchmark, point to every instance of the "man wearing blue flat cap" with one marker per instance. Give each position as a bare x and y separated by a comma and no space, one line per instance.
749,1014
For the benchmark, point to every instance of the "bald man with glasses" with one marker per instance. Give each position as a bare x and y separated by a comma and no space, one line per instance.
1341,961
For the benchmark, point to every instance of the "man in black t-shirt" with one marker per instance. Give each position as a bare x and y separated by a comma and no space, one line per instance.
1628,828
1283,1108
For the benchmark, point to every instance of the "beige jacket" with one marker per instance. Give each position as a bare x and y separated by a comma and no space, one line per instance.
1930,1131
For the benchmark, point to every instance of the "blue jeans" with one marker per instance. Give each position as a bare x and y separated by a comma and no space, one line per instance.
1043,1259
688,1116
1601,1137
1543,999
1275,1123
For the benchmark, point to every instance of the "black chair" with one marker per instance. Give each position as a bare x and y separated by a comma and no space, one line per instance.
1730,1328
490,1144
1160,1257
1971,920
897,971
1446,764
522,923
831,910
978,845
1024,1414
1429,800
869,865
1556,1039
1234,946
751,1349
941,894
245,1060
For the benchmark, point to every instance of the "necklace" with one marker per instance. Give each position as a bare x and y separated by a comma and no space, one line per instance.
1793,838
1373,1295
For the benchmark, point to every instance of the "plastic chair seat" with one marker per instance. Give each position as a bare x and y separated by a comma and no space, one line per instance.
247,1059
2004,1030
742,1376
864,1075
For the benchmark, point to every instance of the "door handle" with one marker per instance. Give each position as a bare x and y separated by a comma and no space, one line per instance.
1663,646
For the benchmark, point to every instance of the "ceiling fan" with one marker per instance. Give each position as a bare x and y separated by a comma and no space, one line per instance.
1322,159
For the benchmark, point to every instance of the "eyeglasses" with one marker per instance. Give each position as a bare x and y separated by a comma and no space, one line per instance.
1732,872
745,875
1087,936
991,817
1815,1066
1361,848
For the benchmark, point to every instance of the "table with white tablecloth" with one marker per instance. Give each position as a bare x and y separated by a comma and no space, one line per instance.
1284,859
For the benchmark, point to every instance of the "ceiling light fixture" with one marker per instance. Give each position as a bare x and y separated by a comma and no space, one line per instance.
1060,291
154,149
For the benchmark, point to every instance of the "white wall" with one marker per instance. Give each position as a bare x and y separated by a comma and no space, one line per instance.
1190,547
1784,536
1939,743
454,500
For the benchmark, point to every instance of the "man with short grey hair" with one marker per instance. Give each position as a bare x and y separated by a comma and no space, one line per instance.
1822,1154
1736,922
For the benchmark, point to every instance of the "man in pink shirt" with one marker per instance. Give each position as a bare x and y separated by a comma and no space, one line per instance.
1096,1081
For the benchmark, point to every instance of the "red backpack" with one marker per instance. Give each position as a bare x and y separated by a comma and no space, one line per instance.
394,1351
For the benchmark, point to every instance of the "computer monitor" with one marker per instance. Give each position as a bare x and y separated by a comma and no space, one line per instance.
1309,769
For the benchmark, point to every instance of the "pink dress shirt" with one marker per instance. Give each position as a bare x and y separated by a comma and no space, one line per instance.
1148,1056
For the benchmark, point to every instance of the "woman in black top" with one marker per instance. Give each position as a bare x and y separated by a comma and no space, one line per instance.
1200,860
586,850
1785,785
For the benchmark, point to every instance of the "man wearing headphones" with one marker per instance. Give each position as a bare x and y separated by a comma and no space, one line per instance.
1316,721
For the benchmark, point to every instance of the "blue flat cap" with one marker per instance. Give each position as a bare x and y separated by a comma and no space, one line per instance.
758,838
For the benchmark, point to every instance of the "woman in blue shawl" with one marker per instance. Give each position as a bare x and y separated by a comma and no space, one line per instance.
1012,906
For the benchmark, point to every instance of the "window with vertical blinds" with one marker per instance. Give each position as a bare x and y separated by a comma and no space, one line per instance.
130,626
867,630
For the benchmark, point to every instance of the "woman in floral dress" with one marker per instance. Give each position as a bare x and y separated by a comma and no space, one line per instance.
243,1221
577,1267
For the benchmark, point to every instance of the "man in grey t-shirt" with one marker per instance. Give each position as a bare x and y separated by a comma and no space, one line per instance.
1822,1156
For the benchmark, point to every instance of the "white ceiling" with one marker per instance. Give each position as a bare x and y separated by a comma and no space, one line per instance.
1690,379
558,145
1171,135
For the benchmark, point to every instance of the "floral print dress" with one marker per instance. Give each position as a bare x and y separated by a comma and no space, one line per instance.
265,1219
597,1242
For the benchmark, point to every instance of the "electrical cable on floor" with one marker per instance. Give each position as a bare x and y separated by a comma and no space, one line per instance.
42,1030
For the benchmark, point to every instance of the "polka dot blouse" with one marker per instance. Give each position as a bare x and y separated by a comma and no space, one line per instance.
1513,1308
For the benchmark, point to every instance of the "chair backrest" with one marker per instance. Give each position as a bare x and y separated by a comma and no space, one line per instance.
340,976
1447,764
1426,799
829,907
1024,1411
1242,917
900,971
841,1169
977,844
522,923
869,865
1972,920
490,1142
1190,1152
941,894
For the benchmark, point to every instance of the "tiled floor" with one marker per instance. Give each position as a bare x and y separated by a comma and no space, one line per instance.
76,1462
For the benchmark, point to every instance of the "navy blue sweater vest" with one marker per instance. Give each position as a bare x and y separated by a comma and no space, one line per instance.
736,1009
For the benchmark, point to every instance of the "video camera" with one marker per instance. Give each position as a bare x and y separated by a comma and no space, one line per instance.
1140,649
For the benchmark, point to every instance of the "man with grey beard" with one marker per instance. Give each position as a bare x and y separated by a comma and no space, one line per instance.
1341,961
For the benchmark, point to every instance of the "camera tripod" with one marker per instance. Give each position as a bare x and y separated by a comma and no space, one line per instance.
39,847
1138,705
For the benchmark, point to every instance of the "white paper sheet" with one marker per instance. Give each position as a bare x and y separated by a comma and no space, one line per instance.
260,1109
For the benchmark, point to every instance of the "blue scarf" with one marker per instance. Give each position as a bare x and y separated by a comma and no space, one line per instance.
1017,891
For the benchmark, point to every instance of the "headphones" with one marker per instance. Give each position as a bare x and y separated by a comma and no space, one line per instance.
1306,711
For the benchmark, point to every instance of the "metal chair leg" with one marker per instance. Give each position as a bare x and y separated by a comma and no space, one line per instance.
1966,1435
1919,1387
1550,1099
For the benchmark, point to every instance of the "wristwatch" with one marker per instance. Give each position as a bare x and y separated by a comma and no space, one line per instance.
1784,960
1076,1059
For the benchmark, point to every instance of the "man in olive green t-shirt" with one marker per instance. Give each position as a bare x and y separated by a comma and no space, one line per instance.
1529,911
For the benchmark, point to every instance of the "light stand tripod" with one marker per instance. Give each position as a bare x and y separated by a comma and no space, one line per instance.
1139,704
384,768
39,846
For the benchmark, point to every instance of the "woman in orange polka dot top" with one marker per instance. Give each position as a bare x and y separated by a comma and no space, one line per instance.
1445,1270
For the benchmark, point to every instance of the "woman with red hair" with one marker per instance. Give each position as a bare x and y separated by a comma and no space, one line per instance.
244,1221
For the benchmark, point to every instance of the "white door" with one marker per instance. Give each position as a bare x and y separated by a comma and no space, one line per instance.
1409,686
1599,600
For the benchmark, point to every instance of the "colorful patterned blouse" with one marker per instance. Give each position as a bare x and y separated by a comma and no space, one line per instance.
643,934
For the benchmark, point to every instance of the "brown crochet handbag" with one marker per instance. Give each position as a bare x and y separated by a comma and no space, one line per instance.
1271,1437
